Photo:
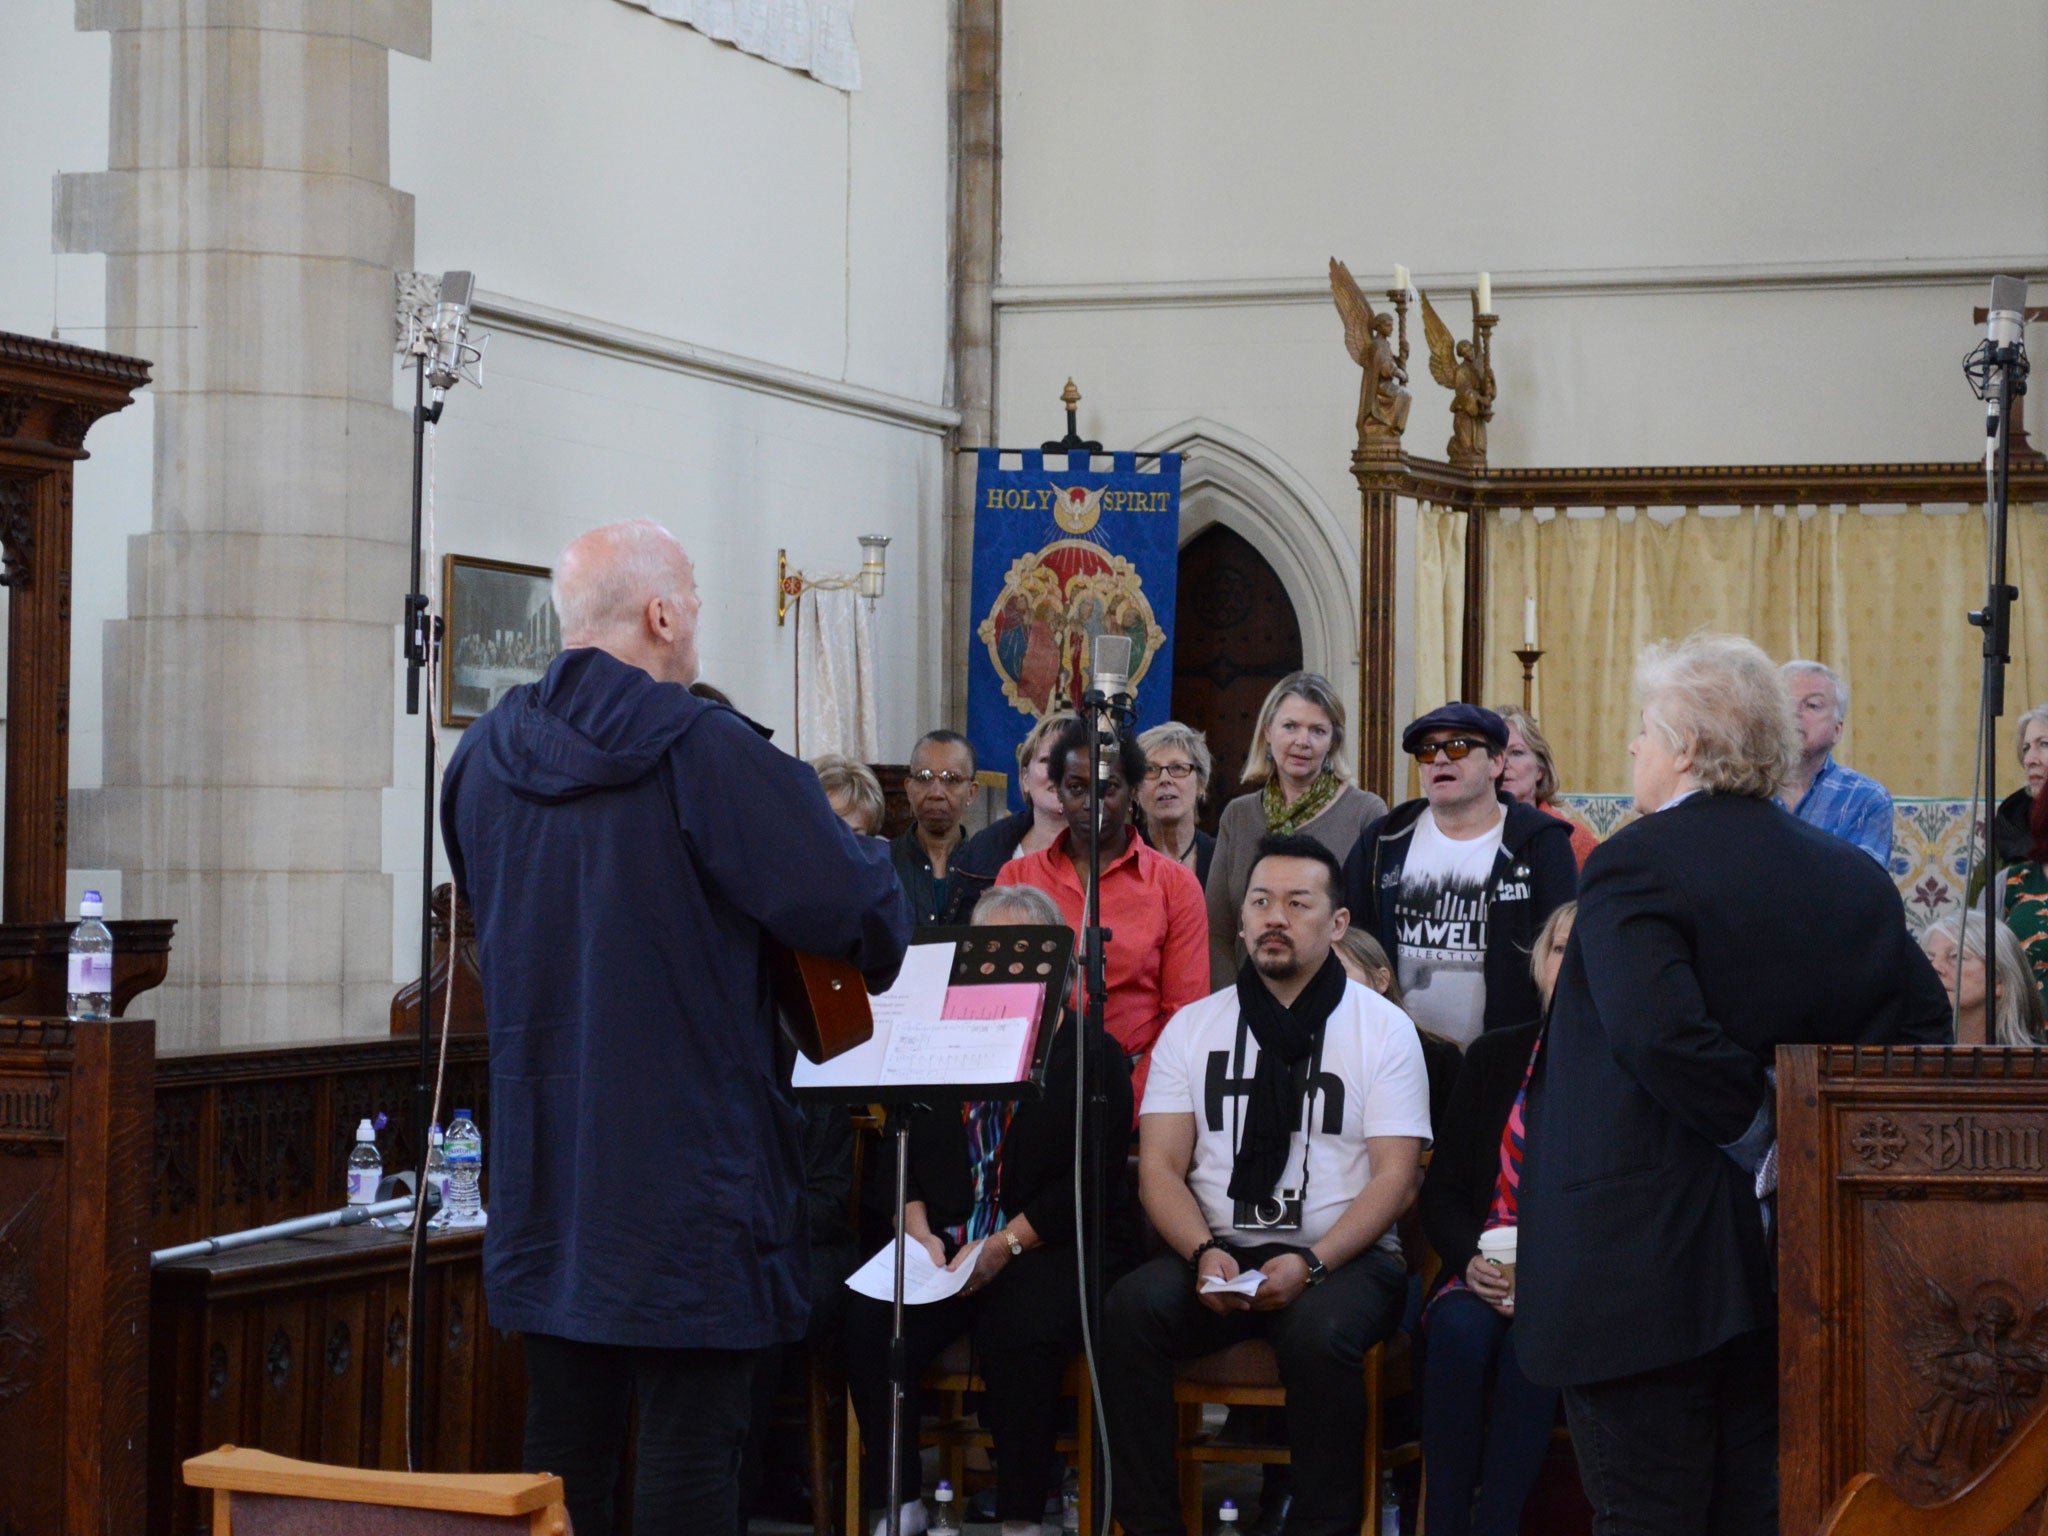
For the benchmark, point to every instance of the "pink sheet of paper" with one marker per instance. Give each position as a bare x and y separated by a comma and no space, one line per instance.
1002,1000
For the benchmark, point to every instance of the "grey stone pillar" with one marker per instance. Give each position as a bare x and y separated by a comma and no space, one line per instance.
252,235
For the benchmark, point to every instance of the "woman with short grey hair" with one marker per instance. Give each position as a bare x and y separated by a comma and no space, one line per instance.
1177,769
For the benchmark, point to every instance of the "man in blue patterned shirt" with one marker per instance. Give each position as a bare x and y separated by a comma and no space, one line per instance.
1821,792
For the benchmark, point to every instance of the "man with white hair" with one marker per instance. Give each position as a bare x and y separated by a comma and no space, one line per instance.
1710,932
1820,791
628,849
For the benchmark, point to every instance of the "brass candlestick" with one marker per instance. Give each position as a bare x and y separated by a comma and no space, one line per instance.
1528,655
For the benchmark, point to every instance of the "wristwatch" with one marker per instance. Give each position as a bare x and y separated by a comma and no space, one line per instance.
1316,1273
1016,1247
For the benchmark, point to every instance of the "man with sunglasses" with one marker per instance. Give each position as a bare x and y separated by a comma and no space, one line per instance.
940,786
1456,884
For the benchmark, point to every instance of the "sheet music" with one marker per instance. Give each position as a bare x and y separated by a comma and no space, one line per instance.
956,1051
923,1279
919,993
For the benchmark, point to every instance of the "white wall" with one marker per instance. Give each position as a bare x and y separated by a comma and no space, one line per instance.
53,118
742,275
1729,234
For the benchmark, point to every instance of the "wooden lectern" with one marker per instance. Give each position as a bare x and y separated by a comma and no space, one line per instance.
1913,1283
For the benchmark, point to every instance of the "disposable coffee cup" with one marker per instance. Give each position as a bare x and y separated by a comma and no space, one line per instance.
1498,1245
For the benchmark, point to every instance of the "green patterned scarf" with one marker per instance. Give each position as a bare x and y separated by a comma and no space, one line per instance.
1281,817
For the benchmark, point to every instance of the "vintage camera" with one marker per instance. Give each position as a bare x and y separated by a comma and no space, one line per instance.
1278,1212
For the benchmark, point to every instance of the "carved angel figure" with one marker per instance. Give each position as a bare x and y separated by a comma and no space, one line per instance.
1983,1375
1382,401
1463,369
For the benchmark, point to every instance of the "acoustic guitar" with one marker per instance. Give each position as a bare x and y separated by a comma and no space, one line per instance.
824,1003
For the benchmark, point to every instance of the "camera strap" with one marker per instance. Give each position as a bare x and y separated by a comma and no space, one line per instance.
1308,1074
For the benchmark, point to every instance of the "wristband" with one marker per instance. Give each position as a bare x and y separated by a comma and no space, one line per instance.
1195,1258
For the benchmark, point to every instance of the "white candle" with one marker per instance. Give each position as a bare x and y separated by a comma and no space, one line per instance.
1486,308
1529,624
1400,278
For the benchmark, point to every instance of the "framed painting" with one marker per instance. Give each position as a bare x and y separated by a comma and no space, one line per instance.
501,631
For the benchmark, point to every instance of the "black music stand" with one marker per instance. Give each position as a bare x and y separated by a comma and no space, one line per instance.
1004,955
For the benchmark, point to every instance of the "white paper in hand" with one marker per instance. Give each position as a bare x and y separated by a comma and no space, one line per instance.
1247,1283
923,1279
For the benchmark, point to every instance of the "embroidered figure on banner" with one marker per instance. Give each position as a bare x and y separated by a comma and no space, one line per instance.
1055,603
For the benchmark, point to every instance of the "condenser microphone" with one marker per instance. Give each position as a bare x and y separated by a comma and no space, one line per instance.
451,320
2005,328
1112,666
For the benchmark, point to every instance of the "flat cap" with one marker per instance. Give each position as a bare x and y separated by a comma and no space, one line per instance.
1458,717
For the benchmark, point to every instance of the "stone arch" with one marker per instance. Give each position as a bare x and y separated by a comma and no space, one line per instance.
1230,478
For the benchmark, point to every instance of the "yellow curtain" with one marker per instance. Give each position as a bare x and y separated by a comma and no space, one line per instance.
1879,596
1439,605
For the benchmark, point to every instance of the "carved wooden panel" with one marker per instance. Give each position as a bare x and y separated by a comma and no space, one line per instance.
298,1346
74,1219
1914,1248
1238,636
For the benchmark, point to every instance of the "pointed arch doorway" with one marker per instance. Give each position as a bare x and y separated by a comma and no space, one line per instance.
1236,634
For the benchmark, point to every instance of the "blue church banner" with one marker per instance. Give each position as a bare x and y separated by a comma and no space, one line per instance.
1062,554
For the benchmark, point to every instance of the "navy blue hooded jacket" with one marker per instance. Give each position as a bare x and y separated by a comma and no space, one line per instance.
625,846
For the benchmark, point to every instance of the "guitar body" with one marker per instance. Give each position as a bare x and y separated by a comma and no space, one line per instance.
824,1003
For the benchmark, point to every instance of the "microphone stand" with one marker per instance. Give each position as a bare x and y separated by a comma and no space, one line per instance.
1995,619
1098,709
422,632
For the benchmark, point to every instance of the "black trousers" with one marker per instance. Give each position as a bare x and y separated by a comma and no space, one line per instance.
1153,1321
694,1405
1685,1450
1024,1325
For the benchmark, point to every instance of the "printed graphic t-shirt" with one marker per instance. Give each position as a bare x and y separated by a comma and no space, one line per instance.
1440,928
1372,1083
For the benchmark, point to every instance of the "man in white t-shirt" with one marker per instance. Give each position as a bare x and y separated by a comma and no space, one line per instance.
1281,1132
1456,884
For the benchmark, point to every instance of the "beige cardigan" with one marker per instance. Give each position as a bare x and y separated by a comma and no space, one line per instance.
1238,832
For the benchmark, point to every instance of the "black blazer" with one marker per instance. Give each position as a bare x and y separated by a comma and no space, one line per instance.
1035,1168
1707,935
1464,1162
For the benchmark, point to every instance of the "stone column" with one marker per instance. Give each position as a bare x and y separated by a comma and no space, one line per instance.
252,236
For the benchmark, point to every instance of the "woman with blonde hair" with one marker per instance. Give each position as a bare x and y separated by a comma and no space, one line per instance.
1529,775
1300,785
853,791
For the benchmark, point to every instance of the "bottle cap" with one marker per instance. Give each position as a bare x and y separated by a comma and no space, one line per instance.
434,1131
364,1132
944,1493
463,1114
1228,1511
89,905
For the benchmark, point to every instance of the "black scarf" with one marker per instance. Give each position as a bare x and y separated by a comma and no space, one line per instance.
1286,1036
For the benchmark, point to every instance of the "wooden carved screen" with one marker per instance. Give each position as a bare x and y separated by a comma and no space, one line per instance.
1237,637
1913,1301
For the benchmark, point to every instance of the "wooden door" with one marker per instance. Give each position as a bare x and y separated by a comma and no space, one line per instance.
1235,636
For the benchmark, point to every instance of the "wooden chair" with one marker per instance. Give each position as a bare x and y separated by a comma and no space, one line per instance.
1987,1505
1248,1373
951,1378
258,1494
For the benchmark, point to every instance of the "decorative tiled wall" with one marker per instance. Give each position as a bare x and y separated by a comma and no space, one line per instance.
1930,846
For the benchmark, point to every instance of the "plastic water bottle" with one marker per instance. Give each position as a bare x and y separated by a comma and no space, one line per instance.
1226,1518
437,1169
365,1167
90,988
461,1199
944,1521
1390,1506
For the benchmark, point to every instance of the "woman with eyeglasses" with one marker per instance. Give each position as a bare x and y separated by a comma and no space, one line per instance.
1177,768
1299,783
